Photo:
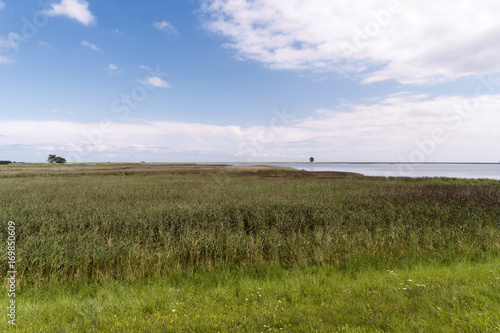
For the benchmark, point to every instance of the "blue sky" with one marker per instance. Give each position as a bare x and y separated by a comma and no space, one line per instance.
240,80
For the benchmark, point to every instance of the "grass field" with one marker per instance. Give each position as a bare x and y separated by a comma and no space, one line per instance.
185,248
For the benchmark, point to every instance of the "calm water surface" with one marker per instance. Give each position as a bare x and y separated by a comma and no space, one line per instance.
472,171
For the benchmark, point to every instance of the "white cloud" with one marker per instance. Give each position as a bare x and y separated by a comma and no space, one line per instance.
90,45
388,130
415,42
6,60
154,81
11,42
74,9
2,4
44,44
165,26
112,69
8,46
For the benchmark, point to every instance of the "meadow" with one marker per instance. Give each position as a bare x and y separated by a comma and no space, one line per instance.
187,248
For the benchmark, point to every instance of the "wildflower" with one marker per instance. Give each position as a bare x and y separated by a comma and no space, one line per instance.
173,310
410,281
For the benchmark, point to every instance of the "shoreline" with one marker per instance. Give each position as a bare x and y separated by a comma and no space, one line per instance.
321,163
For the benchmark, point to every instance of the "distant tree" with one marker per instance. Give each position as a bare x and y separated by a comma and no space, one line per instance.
52,158
5,162
311,159
56,159
60,160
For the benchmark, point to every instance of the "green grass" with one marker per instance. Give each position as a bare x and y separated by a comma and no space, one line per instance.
463,296
100,245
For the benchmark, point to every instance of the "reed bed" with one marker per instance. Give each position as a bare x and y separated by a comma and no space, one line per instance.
131,222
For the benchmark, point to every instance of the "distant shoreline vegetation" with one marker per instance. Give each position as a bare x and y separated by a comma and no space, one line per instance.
5,162
253,163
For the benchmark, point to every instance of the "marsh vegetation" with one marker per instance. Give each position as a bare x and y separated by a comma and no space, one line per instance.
82,227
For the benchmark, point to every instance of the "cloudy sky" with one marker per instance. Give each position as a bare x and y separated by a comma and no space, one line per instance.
250,80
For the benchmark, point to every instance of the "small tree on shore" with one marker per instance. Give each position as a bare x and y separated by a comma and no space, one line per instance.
56,159
311,159
60,160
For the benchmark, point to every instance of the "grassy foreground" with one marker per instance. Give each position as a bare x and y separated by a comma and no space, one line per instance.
463,296
119,247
